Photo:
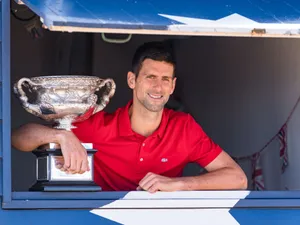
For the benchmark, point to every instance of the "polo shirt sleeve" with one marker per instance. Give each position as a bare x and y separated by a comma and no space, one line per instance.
86,130
202,148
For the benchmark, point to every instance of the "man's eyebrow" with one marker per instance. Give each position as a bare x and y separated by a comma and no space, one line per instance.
169,77
150,74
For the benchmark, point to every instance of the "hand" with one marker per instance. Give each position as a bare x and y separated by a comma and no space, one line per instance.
153,182
75,155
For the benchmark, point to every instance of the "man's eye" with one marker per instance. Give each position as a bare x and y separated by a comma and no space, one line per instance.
151,77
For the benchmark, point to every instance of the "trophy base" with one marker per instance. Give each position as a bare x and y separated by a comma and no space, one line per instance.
67,186
50,177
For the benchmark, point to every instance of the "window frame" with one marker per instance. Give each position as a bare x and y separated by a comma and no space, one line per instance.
110,200
159,200
5,100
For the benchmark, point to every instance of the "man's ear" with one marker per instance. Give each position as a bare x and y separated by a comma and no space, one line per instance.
173,84
131,79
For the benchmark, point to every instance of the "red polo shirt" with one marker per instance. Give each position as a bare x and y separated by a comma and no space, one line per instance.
125,157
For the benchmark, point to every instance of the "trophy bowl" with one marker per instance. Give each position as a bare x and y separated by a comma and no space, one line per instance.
64,99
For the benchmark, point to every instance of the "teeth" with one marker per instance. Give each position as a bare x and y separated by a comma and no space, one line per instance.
155,96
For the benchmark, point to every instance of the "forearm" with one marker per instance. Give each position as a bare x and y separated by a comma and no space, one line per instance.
30,136
223,179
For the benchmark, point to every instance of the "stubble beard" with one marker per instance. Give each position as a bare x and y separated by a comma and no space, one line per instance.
153,107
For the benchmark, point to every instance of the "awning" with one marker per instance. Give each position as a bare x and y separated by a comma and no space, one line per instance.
173,17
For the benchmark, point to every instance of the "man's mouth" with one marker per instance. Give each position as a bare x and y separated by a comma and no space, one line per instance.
155,96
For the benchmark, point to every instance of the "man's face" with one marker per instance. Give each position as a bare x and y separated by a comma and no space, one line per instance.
154,84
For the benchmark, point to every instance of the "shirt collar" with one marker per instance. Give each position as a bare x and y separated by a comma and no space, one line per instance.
124,121
125,126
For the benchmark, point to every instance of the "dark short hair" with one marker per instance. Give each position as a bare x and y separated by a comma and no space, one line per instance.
158,51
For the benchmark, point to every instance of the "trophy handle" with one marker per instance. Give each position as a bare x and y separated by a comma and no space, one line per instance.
31,108
109,92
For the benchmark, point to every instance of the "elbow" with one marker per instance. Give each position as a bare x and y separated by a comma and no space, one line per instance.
14,141
242,181
18,137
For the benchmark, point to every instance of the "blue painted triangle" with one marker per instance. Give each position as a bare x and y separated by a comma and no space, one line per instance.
52,217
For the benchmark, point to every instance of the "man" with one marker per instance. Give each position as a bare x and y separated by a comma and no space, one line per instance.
142,146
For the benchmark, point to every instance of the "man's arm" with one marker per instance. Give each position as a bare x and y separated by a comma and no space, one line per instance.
223,174
30,136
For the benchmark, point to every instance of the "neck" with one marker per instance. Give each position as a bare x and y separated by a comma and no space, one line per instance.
143,121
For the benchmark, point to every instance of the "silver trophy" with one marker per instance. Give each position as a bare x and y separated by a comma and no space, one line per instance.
63,100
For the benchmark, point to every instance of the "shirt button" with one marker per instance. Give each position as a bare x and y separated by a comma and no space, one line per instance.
141,159
143,144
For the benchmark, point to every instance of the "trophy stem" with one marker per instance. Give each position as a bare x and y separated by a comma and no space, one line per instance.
65,123
64,127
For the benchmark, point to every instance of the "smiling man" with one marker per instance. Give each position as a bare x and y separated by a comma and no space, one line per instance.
142,146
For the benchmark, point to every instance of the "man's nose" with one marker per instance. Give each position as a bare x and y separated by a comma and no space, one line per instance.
157,84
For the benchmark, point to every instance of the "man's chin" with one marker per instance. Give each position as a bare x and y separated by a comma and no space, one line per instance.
154,108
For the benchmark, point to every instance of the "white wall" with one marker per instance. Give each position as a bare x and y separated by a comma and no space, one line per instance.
241,91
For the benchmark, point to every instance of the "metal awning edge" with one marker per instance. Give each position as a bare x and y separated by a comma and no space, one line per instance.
196,32
197,27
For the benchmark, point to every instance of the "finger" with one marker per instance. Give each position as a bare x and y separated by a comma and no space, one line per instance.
58,166
63,169
84,166
78,166
73,163
88,165
87,162
67,161
59,161
154,188
139,188
148,183
146,179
